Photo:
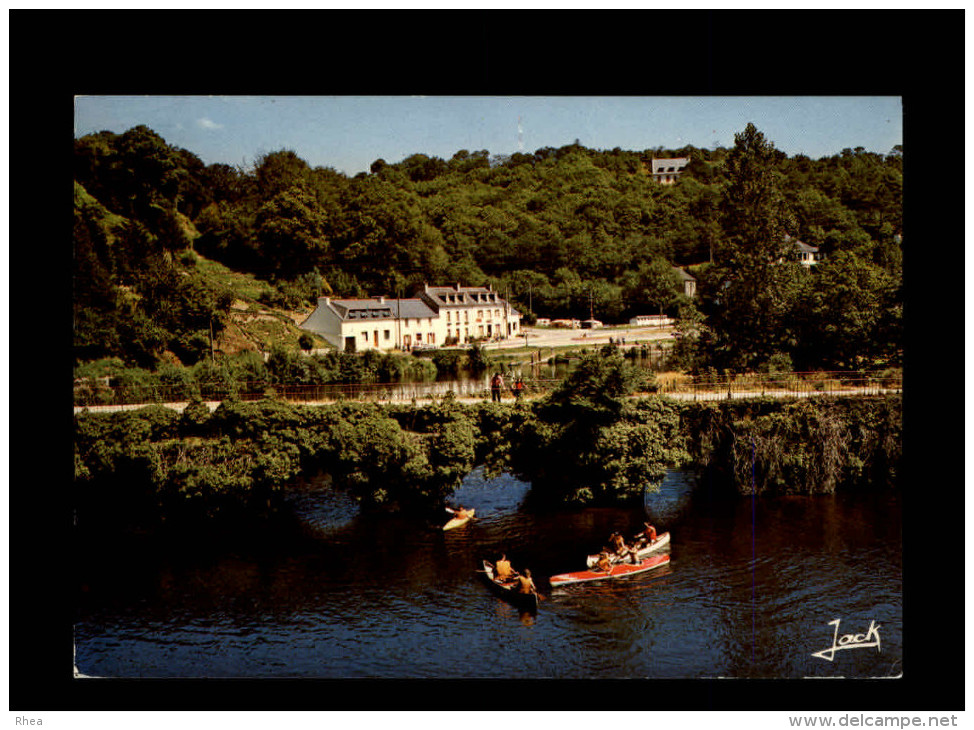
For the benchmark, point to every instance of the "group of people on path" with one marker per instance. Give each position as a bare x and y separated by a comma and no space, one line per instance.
617,550
497,386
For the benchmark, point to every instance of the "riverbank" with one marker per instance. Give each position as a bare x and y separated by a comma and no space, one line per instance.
158,465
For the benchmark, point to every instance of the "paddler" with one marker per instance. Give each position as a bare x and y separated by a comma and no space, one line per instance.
502,569
525,584
647,536
459,513
621,549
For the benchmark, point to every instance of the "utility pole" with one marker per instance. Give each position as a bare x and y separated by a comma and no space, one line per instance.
398,317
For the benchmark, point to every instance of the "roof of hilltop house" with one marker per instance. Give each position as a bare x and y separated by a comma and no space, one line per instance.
662,165
803,247
683,274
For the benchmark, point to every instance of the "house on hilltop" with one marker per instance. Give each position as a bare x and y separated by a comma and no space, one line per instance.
666,170
807,255
437,316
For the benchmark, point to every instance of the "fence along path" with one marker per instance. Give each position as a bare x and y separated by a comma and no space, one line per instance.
783,385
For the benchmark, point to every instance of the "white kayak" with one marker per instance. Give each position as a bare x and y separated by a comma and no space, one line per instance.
661,541
459,521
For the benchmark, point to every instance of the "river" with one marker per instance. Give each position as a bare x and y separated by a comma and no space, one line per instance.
752,590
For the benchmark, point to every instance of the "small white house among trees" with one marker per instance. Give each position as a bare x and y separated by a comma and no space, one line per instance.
667,169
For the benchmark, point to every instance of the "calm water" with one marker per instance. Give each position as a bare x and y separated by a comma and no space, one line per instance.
750,590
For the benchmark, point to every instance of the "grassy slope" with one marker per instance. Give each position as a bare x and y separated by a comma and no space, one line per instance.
251,325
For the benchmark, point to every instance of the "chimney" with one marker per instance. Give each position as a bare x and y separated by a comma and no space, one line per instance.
382,300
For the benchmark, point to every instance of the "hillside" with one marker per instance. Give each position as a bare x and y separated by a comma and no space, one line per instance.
250,324
168,249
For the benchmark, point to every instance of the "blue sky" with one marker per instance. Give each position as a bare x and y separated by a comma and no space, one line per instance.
348,133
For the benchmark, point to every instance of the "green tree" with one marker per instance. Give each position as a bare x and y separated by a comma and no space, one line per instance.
852,317
292,233
755,281
654,285
590,442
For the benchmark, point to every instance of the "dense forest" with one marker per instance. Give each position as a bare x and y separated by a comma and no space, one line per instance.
559,231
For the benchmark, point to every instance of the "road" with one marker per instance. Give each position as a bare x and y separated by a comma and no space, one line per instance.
554,337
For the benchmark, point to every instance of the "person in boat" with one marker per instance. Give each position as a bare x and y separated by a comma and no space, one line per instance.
604,564
622,550
524,583
647,536
460,512
503,570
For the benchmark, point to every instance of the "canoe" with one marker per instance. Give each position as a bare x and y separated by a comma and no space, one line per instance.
619,570
524,601
458,522
661,541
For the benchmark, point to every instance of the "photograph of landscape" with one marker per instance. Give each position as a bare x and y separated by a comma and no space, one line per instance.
340,360
487,362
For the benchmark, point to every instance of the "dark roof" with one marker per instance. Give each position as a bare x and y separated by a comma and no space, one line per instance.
369,309
361,309
411,308
460,296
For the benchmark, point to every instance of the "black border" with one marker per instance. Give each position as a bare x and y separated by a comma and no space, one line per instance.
54,55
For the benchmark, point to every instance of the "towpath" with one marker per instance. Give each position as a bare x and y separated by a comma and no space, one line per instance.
698,395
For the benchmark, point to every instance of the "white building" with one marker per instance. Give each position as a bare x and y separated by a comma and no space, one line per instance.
472,313
651,320
438,316
666,170
807,255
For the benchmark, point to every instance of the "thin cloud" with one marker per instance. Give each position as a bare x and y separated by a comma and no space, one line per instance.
207,123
